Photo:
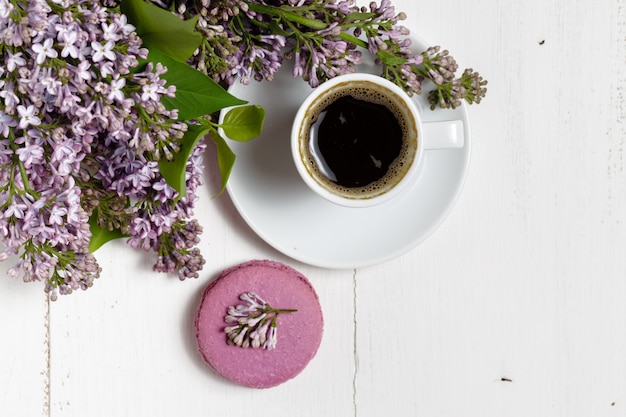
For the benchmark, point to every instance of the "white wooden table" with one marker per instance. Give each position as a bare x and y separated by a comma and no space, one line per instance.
515,306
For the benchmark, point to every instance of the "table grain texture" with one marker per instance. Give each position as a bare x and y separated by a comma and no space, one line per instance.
515,306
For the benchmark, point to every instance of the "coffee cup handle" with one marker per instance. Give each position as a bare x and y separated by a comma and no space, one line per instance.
448,134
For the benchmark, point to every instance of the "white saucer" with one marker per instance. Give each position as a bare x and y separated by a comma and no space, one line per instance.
272,198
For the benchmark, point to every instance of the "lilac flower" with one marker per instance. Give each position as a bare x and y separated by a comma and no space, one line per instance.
100,51
5,9
31,154
83,71
27,116
116,93
44,51
49,82
6,123
56,215
313,35
68,39
149,92
14,60
110,32
123,24
68,152
253,324
11,100
16,209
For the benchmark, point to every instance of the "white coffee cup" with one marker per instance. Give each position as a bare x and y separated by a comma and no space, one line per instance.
318,156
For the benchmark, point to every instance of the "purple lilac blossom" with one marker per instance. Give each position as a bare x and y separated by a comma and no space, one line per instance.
81,132
258,48
312,34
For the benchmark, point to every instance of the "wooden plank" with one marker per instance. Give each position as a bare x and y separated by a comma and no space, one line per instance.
515,305
24,350
127,347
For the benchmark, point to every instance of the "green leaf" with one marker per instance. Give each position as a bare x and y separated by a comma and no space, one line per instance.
174,171
244,123
359,16
196,93
163,30
225,159
99,235
390,59
277,29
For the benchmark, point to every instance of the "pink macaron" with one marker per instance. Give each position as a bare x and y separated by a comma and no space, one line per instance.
275,347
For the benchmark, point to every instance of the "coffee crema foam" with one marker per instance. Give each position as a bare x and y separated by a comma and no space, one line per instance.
365,91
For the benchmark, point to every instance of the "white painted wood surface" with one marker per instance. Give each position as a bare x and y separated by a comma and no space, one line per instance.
515,306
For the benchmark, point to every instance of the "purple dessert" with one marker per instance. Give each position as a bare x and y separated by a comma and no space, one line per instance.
259,324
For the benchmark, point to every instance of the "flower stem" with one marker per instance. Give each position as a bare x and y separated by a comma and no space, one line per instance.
279,311
289,15
353,39
21,168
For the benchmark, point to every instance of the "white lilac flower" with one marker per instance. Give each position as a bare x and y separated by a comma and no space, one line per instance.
100,51
14,60
255,322
28,116
68,40
272,338
45,50
49,82
149,92
110,32
125,26
83,71
116,93
5,9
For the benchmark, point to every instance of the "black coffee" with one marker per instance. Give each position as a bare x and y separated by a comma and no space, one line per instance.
358,142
